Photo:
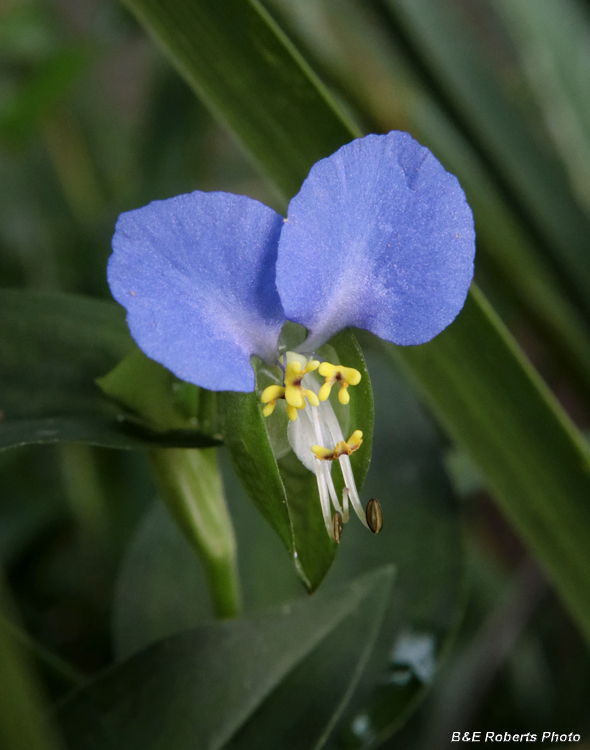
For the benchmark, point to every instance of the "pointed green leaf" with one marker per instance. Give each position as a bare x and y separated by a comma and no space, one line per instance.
52,347
218,46
199,688
152,601
552,39
302,713
492,401
506,248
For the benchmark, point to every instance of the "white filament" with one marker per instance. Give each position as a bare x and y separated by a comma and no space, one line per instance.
320,426
345,495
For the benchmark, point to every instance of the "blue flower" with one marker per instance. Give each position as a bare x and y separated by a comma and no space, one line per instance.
379,237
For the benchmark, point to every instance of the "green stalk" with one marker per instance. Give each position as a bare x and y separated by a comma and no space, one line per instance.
190,485
24,724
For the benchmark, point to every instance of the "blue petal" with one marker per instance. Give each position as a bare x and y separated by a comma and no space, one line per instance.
196,274
379,237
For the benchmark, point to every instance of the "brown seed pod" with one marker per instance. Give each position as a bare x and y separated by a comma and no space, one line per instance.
374,516
337,526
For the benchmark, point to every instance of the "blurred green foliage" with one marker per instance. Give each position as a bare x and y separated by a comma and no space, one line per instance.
94,121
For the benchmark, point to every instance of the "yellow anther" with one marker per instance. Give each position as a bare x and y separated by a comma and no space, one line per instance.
295,372
343,448
344,376
269,397
311,397
269,408
272,393
355,440
322,453
291,413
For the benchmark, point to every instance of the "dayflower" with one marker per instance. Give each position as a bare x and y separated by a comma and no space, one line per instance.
380,237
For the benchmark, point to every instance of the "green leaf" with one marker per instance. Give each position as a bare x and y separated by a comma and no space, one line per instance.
31,501
421,536
552,39
492,401
505,246
27,35
152,601
53,347
302,712
251,64
284,490
199,688
218,46
23,112
452,63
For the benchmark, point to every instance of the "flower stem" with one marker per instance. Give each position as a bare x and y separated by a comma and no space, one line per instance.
24,719
190,484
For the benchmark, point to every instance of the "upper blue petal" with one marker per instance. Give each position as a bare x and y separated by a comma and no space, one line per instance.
379,237
196,274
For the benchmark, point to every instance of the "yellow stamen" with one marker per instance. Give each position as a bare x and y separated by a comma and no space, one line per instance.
269,397
344,376
343,448
295,393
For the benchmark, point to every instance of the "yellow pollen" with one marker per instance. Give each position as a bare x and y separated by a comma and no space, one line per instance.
344,376
343,448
